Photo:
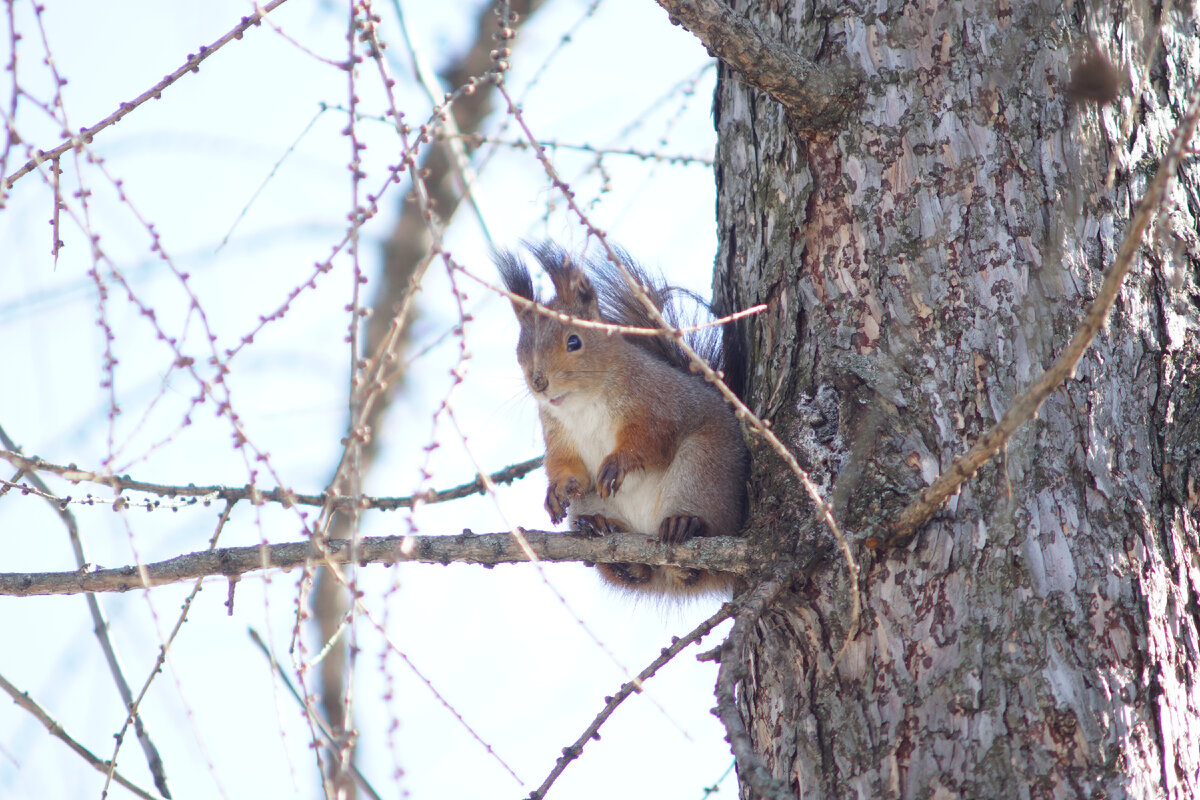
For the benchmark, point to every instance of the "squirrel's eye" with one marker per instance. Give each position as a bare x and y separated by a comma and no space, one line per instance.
573,343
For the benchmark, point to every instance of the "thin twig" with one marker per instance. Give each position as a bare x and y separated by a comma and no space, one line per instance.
29,704
463,172
100,628
592,731
118,502
478,139
717,553
153,93
922,509
135,703
611,327
322,726
257,496
270,176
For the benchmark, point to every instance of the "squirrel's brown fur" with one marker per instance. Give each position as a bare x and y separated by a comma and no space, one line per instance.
635,441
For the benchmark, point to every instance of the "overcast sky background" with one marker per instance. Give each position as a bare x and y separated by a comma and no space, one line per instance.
521,667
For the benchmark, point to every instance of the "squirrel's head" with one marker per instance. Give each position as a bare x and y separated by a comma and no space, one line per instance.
557,356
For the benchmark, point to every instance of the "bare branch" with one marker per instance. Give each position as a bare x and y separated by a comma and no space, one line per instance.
682,159
718,553
733,670
29,704
525,304
922,509
100,628
818,96
322,726
571,753
441,182
133,705
153,93
255,495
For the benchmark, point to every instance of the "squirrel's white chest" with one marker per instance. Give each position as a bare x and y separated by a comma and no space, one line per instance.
593,431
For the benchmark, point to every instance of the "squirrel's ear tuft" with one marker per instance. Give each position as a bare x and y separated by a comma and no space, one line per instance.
515,275
576,294
581,289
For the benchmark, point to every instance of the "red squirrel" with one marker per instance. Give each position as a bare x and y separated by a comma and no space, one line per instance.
635,441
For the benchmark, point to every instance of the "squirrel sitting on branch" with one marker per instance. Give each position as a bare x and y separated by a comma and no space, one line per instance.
635,440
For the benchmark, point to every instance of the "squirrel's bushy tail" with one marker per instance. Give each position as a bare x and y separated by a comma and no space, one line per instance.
680,582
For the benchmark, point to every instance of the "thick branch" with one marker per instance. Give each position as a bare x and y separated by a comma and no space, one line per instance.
721,554
734,668
817,96
921,510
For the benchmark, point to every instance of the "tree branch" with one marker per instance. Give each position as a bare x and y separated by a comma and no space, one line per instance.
593,731
26,702
100,628
922,509
322,726
256,495
721,554
818,96
153,93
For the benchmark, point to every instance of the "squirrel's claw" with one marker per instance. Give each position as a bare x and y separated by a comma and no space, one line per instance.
629,574
558,498
598,525
674,530
610,476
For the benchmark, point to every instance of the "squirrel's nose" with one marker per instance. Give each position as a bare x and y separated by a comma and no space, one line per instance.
539,382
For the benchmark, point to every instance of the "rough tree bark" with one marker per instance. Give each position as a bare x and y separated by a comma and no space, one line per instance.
924,261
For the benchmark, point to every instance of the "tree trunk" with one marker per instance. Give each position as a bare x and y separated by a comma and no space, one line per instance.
924,263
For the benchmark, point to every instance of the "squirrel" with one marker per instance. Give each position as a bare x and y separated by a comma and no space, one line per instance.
635,440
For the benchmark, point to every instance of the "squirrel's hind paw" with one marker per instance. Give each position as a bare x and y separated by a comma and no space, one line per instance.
598,525
674,530
627,574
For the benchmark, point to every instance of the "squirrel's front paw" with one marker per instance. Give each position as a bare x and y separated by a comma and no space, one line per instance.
558,497
612,473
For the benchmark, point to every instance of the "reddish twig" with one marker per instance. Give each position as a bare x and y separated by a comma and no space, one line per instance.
100,628
192,64
592,731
